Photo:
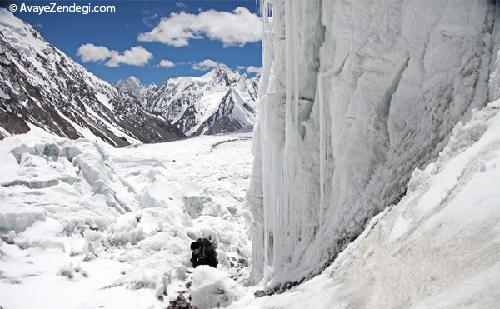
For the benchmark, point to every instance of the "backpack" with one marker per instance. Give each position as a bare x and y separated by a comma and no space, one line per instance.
208,251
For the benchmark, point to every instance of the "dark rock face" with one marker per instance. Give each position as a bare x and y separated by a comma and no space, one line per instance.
41,86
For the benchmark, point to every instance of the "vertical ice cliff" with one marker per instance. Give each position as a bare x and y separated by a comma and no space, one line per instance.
354,95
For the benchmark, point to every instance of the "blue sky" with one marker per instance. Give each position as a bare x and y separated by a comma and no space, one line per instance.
208,35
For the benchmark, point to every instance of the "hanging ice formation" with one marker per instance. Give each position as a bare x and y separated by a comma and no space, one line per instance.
354,96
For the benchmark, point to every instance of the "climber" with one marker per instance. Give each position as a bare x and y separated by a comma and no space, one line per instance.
203,253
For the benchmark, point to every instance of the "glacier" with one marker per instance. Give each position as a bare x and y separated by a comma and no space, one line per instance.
354,95
374,174
111,227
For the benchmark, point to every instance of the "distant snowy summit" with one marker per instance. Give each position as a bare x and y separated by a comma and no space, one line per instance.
220,101
40,86
133,87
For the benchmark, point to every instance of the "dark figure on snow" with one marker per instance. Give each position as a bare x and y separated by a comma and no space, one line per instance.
203,253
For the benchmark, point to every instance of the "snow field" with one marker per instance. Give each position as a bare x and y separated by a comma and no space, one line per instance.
88,225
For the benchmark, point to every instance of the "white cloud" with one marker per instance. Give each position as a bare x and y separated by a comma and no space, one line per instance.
204,65
135,56
231,28
166,63
91,53
180,4
252,69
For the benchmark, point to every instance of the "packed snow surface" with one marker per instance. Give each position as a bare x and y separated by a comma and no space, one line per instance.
212,288
86,225
437,248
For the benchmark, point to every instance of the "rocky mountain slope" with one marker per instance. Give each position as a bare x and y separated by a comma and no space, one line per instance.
43,87
218,102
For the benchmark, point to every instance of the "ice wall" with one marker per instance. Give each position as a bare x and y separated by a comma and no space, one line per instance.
354,96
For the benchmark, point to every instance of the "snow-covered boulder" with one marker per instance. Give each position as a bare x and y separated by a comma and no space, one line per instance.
18,218
195,206
212,288
126,230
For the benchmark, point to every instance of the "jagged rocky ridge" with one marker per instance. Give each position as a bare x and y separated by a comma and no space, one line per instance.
354,96
220,101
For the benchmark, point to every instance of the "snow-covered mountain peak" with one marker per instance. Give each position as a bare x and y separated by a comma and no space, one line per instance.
201,105
221,74
131,85
242,83
131,80
134,87
134,81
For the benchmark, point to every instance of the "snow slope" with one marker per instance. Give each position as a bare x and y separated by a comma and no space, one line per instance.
354,96
437,248
87,225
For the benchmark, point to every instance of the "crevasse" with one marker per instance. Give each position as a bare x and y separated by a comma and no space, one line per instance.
355,95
